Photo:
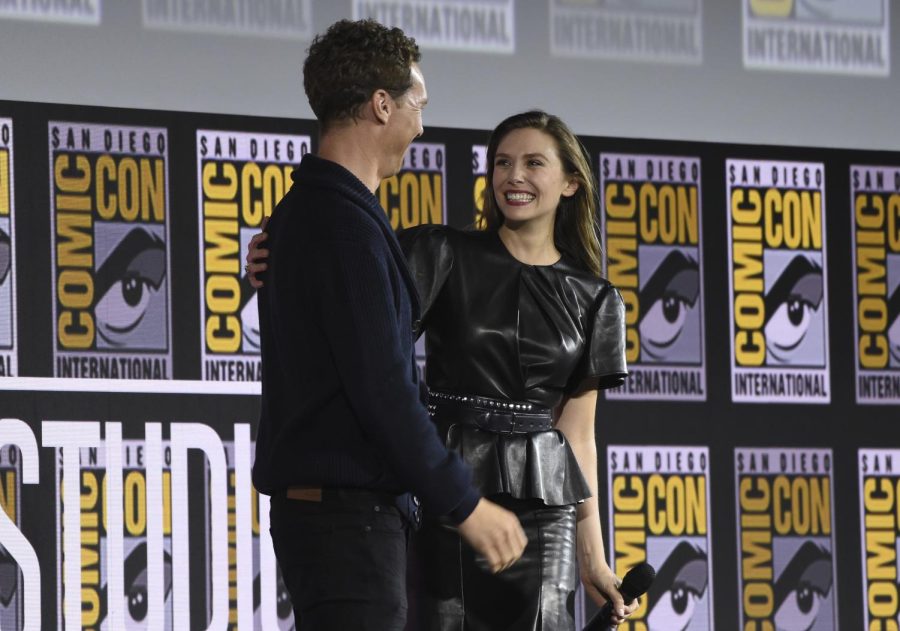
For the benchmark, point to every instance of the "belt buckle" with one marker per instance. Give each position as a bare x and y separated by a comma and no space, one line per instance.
511,421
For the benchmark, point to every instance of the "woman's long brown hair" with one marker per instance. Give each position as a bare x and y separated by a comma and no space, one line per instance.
575,229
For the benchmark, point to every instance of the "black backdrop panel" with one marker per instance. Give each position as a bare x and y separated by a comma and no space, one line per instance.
129,360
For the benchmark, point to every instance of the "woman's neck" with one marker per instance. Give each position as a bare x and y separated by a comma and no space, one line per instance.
530,244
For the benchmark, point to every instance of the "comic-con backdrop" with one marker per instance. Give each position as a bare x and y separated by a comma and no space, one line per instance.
749,456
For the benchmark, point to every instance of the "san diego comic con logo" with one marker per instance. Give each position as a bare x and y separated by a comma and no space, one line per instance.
8,334
879,525
659,512
241,177
109,214
662,30
834,36
651,232
778,281
785,533
875,208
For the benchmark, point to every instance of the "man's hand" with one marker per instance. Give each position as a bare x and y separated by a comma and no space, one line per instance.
257,255
495,533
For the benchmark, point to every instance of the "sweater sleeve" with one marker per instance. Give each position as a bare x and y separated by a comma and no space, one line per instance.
360,320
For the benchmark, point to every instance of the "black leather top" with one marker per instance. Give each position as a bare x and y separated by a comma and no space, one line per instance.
500,328
496,327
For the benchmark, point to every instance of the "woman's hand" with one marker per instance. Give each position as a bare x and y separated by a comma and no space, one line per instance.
602,585
257,255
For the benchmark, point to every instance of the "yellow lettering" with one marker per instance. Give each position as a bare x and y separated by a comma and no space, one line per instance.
5,201
894,222
772,8
74,240
748,269
756,553
8,495
873,350
220,249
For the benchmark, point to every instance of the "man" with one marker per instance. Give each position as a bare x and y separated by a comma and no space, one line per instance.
343,432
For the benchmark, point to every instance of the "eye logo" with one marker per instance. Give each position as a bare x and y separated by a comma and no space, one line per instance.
652,242
792,304
136,601
283,607
667,300
5,256
680,582
801,587
131,297
249,316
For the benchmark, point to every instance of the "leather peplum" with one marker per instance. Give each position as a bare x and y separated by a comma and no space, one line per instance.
511,448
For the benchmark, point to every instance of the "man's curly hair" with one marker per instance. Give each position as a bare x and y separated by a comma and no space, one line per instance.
350,61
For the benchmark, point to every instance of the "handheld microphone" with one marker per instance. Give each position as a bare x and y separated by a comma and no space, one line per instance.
636,582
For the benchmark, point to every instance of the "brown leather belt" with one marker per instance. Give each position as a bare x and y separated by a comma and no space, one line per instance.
304,493
406,504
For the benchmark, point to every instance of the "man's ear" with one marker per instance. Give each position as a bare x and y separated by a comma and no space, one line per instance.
381,105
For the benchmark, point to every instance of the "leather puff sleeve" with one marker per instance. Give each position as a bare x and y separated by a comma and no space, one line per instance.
429,255
604,358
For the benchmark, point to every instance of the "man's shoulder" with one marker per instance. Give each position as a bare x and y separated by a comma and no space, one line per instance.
325,213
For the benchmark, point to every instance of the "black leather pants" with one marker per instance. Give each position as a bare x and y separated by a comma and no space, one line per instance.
537,593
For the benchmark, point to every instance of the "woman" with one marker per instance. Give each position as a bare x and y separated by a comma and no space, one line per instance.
521,331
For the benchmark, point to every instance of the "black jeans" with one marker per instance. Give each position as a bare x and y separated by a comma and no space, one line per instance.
343,560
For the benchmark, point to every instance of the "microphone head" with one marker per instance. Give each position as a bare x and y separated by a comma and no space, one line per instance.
637,581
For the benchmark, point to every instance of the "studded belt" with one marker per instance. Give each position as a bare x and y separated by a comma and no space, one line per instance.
501,416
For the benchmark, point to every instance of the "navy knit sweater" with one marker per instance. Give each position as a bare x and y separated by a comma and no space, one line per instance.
341,404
